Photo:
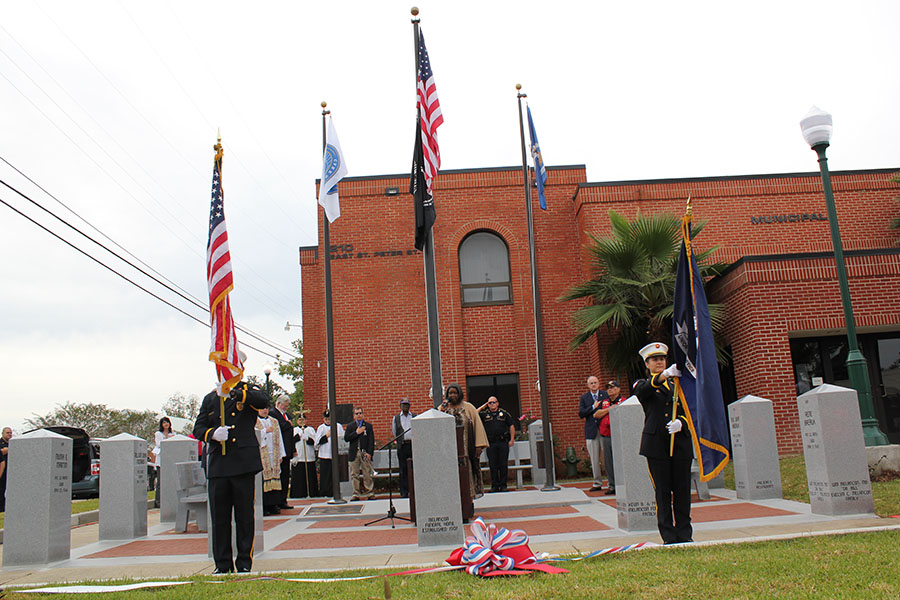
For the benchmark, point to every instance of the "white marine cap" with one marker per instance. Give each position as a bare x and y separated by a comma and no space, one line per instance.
653,349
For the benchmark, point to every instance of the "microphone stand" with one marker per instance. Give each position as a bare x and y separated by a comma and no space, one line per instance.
392,512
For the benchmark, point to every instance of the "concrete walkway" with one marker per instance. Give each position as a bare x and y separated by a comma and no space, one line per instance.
317,536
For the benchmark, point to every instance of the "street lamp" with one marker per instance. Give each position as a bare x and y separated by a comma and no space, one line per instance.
268,371
816,128
288,325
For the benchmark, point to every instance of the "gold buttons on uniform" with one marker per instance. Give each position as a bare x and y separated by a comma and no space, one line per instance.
232,414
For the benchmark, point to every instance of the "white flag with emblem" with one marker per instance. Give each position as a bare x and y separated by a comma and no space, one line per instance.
333,170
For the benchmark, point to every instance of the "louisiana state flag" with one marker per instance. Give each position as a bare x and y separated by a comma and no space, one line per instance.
695,354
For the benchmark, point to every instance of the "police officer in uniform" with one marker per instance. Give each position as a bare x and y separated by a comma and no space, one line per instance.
232,455
501,434
671,473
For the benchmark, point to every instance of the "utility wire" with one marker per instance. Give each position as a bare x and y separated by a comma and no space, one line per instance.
101,263
263,296
179,291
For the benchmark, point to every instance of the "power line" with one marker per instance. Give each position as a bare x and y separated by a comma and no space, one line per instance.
262,296
101,263
179,291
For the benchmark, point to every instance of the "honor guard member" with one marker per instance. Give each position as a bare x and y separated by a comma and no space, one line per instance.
226,425
666,443
501,434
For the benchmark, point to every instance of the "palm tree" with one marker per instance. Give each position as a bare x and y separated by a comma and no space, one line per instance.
631,295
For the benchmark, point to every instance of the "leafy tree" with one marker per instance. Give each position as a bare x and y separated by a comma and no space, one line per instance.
293,370
631,296
180,406
277,390
98,420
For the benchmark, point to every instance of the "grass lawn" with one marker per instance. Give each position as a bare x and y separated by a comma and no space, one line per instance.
846,566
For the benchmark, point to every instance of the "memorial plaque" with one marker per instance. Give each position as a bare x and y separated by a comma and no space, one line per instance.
635,497
536,447
176,449
38,499
757,475
438,512
837,472
123,487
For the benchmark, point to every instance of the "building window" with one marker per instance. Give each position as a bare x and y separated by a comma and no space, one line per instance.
821,360
505,387
484,270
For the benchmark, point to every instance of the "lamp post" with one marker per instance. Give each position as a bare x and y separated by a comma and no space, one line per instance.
816,128
288,325
268,371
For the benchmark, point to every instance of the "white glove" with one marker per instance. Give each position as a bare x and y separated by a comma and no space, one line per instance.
674,426
221,433
672,371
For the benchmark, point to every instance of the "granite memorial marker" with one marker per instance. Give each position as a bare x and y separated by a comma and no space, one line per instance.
536,447
757,474
38,499
837,472
176,449
123,487
438,512
635,497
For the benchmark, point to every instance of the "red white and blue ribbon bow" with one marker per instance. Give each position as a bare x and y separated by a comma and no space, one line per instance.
492,550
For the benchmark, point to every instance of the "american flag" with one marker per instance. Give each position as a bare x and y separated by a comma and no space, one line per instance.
426,154
223,348
430,117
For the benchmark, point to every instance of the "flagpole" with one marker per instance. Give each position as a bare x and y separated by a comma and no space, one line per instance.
434,338
329,341
550,483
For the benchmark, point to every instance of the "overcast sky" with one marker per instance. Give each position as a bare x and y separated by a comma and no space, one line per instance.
113,108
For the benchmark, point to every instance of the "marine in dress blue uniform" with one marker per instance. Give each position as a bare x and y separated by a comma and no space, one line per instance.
231,465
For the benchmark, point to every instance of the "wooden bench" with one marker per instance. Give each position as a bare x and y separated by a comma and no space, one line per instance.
191,496
519,461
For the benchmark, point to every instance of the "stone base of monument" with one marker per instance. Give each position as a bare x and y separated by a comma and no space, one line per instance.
883,458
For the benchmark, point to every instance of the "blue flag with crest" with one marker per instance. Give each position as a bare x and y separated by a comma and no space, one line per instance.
695,354
540,171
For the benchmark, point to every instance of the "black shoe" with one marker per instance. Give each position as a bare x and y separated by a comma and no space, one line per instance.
504,489
285,507
611,492
494,490
221,571
243,570
596,488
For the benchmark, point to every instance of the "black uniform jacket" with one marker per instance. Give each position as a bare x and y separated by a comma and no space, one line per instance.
287,431
242,446
497,424
364,441
655,395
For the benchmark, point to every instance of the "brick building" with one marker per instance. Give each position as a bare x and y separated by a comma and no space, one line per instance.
785,321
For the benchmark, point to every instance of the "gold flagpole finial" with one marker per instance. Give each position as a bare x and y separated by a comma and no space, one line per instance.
688,209
414,11
218,146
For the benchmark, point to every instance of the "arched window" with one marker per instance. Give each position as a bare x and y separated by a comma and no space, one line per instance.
484,270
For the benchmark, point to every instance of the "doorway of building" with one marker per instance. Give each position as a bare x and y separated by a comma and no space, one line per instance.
505,387
821,360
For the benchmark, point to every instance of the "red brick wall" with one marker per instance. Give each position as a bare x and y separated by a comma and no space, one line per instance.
767,302
381,343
